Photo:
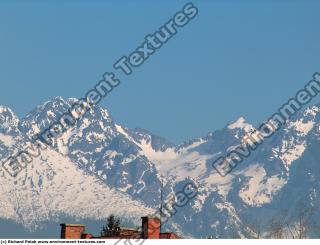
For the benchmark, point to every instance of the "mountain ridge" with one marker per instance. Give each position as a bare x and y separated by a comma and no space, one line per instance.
132,164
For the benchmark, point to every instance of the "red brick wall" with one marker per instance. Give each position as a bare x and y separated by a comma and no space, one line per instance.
150,228
87,236
71,231
174,236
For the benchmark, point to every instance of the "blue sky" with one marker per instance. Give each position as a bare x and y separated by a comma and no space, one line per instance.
234,59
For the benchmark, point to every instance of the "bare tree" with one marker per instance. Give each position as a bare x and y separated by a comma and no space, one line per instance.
302,227
297,225
277,228
254,226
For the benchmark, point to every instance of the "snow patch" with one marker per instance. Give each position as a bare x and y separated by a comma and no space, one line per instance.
155,156
120,130
311,111
7,140
301,127
289,154
259,189
194,145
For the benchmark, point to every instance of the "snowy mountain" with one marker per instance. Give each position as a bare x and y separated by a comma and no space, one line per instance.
100,167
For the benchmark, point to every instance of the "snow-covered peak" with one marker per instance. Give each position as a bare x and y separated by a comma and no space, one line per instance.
8,119
54,106
6,111
3,109
241,123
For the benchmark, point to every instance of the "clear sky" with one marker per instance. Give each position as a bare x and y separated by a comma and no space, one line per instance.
234,59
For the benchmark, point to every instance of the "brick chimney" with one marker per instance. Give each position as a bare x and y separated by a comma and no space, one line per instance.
151,228
71,231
